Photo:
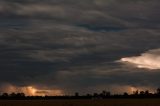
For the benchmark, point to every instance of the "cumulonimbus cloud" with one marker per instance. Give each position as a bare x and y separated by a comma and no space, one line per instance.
147,60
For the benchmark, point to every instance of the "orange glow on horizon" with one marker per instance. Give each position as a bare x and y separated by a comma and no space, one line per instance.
32,91
133,89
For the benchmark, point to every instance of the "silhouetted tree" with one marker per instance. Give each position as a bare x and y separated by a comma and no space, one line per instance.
88,95
5,95
76,94
135,92
158,91
13,94
142,93
105,93
146,92
95,94
20,95
125,94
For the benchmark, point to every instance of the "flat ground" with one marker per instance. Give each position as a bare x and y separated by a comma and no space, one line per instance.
103,102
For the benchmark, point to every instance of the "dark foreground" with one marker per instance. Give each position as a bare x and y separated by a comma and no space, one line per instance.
98,102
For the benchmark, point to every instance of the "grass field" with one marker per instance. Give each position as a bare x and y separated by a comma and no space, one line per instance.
105,102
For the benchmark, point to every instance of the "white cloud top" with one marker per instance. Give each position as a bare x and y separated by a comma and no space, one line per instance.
148,60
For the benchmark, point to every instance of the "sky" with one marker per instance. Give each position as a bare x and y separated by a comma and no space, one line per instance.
57,47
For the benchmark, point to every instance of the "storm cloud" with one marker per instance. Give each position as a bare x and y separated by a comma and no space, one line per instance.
74,45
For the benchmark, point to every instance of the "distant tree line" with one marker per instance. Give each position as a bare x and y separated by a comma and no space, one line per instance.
103,95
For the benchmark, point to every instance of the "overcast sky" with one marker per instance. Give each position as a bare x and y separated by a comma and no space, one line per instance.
79,45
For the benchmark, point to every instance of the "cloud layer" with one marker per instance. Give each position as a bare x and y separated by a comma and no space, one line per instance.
73,45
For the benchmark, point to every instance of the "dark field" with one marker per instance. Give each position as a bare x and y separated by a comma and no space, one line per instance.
104,102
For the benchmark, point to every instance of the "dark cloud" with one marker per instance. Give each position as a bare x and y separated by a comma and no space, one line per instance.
74,45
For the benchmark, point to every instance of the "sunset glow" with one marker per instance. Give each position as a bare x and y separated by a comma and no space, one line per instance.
32,91
41,92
